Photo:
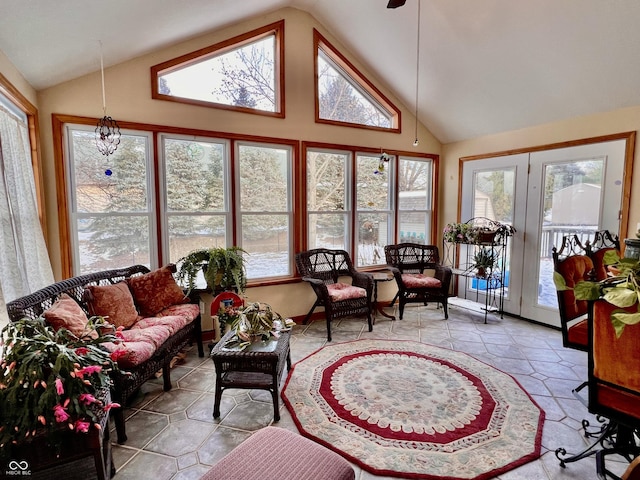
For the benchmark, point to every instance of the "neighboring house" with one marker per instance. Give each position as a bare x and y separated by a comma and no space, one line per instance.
577,204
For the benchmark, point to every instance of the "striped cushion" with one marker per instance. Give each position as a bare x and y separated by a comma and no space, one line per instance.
276,453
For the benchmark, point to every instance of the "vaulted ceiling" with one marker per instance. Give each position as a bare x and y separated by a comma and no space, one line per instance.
486,66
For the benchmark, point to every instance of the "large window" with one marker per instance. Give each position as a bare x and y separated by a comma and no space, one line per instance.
346,97
111,218
265,208
118,217
415,197
242,73
354,205
196,192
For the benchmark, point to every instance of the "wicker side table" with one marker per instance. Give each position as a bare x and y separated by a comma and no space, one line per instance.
258,366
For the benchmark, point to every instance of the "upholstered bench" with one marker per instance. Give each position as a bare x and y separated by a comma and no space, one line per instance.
274,453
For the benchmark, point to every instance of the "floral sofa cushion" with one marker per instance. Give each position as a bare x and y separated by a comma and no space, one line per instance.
137,344
418,280
66,313
155,291
343,291
113,302
173,323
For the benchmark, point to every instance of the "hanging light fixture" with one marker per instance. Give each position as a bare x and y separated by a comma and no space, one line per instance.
415,142
107,129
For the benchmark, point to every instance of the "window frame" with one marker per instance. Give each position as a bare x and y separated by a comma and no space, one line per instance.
73,215
238,212
351,245
362,84
220,48
159,255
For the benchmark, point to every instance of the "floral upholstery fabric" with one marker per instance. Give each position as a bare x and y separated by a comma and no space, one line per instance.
66,313
418,280
155,291
130,354
188,310
343,291
113,302
173,323
138,344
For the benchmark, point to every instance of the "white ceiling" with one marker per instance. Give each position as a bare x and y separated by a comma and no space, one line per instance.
486,66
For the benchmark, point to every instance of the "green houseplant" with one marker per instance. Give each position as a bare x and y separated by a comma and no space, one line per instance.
223,268
483,259
256,321
52,381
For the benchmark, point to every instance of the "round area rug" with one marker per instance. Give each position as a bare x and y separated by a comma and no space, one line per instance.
407,409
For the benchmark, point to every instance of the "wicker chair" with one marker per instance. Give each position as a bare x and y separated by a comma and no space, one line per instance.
323,269
408,262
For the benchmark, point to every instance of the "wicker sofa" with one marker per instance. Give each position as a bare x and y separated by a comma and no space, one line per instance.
148,344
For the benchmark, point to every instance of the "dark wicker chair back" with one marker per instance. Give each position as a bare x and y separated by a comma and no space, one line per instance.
603,242
415,258
321,267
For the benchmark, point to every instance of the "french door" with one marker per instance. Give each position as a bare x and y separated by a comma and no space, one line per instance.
543,195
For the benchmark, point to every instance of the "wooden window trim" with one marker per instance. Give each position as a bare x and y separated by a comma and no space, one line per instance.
625,201
320,42
354,150
276,28
61,164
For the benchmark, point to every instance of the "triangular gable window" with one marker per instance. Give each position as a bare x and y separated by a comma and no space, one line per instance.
242,73
345,96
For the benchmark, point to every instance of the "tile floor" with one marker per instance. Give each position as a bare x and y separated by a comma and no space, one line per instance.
172,435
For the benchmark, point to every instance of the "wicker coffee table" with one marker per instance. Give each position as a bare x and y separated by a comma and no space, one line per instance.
258,366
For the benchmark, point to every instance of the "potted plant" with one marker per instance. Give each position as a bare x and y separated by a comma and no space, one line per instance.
223,268
54,383
483,259
257,321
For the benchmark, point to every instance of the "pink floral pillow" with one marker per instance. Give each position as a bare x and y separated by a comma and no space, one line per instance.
155,291
112,301
66,313
418,280
343,291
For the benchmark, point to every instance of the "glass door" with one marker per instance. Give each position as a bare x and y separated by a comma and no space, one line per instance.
574,190
543,195
496,188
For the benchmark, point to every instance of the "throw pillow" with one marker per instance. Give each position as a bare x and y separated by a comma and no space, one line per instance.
155,291
112,301
66,313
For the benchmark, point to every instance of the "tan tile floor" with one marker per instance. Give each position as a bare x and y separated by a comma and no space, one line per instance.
172,435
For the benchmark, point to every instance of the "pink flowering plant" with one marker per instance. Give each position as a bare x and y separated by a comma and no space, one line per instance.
52,382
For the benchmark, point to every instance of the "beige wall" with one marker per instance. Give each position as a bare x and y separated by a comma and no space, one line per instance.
617,121
128,94
16,79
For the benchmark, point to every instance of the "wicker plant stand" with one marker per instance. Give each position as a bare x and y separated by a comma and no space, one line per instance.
259,366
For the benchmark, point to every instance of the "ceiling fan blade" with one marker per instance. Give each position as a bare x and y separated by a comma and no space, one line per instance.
395,3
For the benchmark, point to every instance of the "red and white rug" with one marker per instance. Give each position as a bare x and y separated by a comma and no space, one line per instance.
411,410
